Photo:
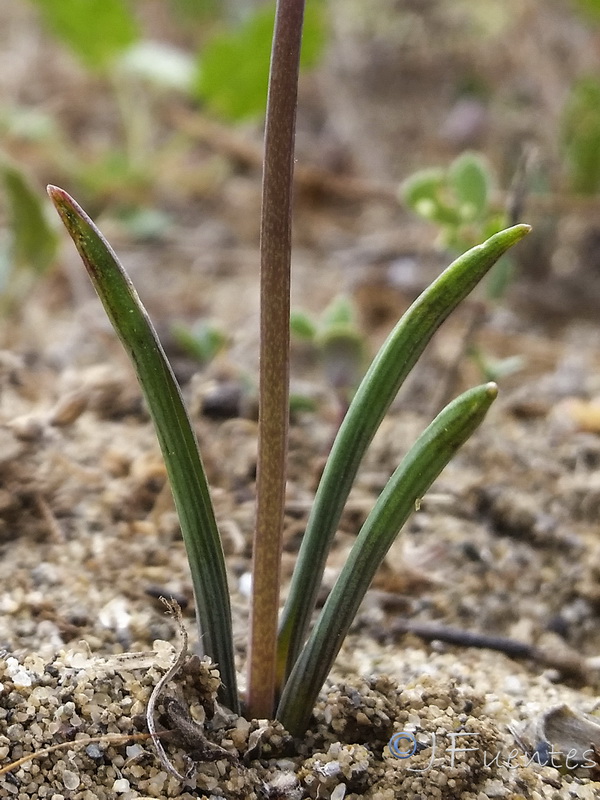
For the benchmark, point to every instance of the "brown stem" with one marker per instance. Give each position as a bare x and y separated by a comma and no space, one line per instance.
275,247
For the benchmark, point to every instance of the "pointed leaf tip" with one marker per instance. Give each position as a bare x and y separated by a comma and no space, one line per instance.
60,198
55,193
81,228
63,203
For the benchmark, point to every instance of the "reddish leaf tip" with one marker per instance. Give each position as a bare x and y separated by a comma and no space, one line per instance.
57,195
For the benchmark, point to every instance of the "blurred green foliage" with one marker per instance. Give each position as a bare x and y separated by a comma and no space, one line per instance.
233,67
202,342
29,245
34,240
196,9
230,71
97,31
457,199
227,76
581,135
337,341
591,8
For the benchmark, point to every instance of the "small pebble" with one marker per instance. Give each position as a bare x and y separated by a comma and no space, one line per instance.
70,779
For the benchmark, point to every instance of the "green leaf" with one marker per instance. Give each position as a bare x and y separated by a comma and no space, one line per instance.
494,369
426,194
33,240
374,395
95,30
233,68
302,326
469,177
420,191
314,34
420,467
174,432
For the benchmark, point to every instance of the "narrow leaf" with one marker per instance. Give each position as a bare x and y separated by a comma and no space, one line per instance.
174,432
420,467
33,240
377,390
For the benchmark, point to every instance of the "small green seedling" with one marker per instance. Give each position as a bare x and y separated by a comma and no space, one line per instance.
287,670
458,200
337,342
202,341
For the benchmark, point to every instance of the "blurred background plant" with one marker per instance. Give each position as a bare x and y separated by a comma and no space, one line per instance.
226,77
147,80
459,201
28,244
335,341
174,94
581,136
202,341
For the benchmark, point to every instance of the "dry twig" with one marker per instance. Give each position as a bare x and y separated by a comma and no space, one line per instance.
174,609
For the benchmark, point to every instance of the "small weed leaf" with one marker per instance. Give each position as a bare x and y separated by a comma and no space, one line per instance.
233,67
95,43
469,177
